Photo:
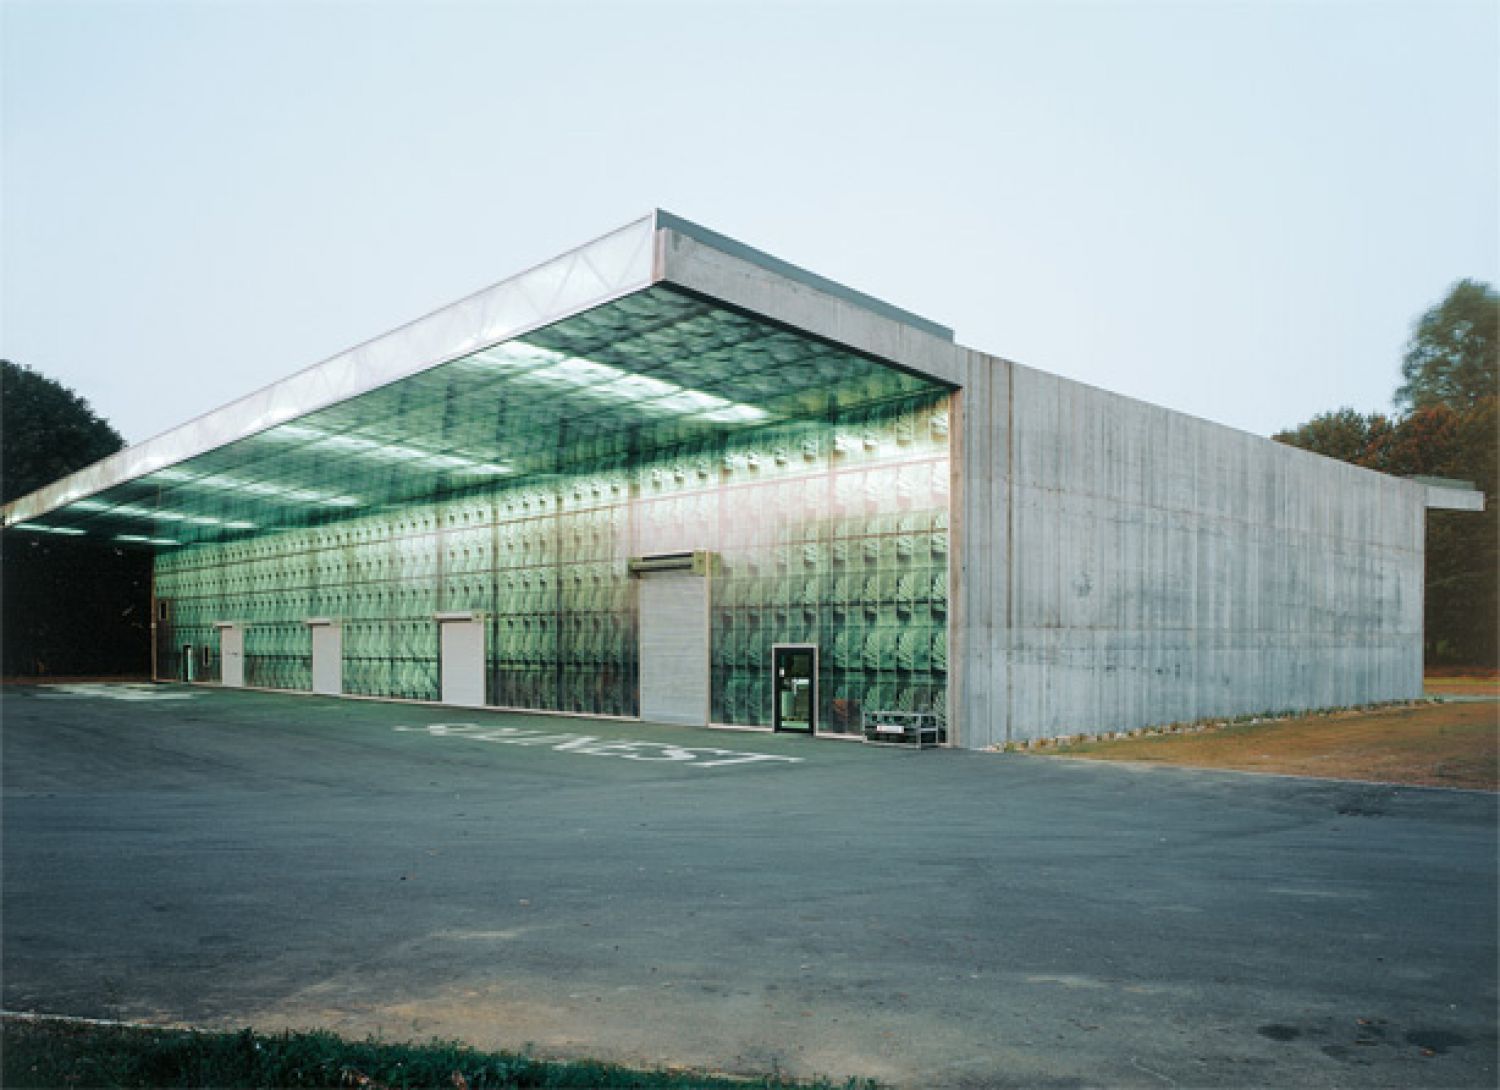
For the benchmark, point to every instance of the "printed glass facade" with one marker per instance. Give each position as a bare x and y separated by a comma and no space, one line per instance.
518,482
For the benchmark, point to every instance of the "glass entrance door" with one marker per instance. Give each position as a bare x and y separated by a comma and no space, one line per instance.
795,668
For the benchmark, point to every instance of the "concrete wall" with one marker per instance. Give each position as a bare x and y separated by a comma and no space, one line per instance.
1116,564
1121,565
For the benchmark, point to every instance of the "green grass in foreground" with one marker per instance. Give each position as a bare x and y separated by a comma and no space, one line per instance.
67,1054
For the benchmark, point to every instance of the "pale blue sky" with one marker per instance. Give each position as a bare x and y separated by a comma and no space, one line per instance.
1232,209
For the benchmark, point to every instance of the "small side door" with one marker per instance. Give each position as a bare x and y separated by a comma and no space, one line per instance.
232,656
327,658
794,671
461,660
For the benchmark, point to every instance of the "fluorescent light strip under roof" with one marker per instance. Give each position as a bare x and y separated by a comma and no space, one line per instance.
362,446
260,488
39,528
130,510
543,366
550,368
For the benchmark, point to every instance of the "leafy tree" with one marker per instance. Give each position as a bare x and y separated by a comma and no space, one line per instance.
71,606
1450,429
49,431
1453,357
1343,434
1428,443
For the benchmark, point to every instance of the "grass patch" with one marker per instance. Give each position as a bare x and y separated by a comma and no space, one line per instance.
1432,745
1474,681
58,1053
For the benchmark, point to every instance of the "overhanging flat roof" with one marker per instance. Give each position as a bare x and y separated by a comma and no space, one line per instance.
733,248
660,333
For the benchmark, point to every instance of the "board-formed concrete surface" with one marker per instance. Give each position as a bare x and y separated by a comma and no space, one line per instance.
737,901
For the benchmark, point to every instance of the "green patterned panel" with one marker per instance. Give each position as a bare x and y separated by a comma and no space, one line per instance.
833,534
817,478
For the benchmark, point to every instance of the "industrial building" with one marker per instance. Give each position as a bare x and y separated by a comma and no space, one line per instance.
668,476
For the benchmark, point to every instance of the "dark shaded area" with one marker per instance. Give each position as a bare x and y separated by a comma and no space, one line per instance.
1436,1041
1278,1032
74,608
70,606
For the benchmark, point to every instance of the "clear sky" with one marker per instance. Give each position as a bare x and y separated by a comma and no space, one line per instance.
1234,209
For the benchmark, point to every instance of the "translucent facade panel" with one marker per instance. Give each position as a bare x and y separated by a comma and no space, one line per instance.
518,482
650,371
833,533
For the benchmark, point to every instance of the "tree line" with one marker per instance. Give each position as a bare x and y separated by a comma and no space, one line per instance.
1444,425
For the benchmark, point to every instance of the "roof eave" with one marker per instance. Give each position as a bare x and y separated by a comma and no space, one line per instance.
616,264
657,248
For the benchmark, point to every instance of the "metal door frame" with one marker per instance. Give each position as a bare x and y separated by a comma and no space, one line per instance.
238,627
474,617
812,707
326,623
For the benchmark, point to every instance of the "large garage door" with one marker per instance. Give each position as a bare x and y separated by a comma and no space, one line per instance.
674,647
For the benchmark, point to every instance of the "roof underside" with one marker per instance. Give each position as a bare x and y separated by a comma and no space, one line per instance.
647,370
643,339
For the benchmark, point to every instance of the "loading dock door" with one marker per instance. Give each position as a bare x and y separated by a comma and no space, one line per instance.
327,658
461,659
674,648
232,656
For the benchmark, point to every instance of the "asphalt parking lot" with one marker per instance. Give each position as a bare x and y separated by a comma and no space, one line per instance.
738,901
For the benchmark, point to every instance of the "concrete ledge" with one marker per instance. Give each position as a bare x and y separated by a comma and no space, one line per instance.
1455,496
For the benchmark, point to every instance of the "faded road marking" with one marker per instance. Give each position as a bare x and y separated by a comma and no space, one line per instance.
114,692
1337,894
1074,980
591,746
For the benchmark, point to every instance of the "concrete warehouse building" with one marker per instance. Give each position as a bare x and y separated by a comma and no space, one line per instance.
668,476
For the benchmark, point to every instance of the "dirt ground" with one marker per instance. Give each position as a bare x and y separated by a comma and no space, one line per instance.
1451,744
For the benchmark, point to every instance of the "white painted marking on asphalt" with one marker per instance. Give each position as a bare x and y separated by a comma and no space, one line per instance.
1076,980
1332,893
592,746
133,693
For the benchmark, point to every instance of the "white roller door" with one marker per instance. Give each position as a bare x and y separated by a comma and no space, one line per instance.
674,648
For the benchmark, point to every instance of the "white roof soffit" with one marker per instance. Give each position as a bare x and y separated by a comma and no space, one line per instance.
658,248
616,264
